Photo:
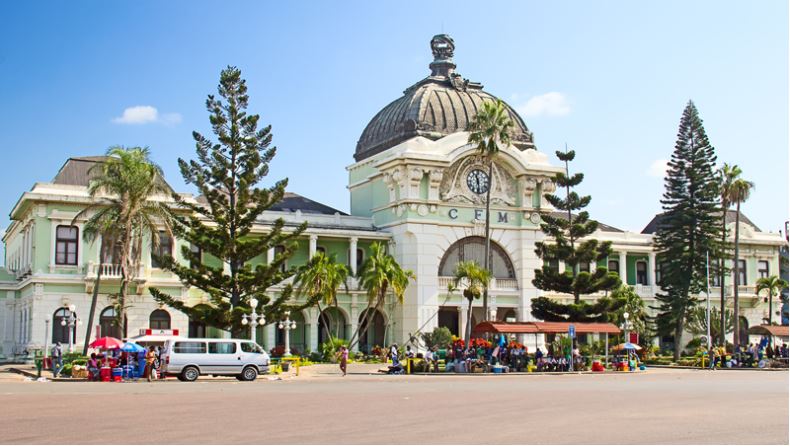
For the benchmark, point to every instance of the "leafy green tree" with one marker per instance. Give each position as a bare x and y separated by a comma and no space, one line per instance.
475,278
490,128
629,301
226,174
774,286
688,229
727,175
319,281
572,245
439,337
122,209
380,275
697,322
741,189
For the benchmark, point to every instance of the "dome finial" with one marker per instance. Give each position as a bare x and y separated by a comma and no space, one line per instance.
443,48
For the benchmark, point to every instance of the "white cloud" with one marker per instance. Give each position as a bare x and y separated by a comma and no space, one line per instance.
549,104
658,168
146,114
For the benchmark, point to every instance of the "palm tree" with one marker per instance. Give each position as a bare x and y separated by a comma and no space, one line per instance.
476,280
774,285
727,175
741,189
121,188
489,128
380,274
319,280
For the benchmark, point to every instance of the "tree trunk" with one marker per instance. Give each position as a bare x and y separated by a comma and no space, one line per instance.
770,305
678,338
469,323
94,301
720,272
736,276
487,260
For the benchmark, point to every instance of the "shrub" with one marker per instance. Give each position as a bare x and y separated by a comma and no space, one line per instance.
439,337
329,348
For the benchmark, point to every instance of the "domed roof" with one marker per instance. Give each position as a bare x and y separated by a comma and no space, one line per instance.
440,104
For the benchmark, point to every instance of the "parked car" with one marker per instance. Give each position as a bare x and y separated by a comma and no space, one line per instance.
189,358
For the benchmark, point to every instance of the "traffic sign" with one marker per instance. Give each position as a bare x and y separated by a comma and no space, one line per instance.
572,331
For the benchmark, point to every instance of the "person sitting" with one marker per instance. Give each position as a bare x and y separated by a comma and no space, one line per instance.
93,368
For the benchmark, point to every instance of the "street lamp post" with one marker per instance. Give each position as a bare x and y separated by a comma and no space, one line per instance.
253,319
71,320
287,325
626,326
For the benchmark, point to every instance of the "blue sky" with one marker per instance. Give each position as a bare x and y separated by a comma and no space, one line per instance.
609,78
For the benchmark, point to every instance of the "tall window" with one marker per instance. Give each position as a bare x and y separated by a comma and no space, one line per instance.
108,323
196,251
279,250
641,273
762,268
614,265
60,333
66,240
197,329
164,249
715,278
360,258
742,272
159,320
584,267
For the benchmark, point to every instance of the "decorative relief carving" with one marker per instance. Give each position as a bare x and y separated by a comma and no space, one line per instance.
454,189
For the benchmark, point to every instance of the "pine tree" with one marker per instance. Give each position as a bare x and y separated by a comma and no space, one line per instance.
226,174
689,227
571,245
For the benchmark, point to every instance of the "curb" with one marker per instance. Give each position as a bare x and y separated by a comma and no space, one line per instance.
688,367
33,375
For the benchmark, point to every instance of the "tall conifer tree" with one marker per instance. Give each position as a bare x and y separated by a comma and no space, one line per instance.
567,232
689,226
226,175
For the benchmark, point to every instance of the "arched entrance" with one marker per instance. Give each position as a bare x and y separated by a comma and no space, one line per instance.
374,335
297,338
108,323
473,249
333,321
60,331
159,320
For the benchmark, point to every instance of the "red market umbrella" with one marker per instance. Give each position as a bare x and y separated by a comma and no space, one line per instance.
106,343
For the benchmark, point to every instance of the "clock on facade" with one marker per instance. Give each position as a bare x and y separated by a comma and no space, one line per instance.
477,180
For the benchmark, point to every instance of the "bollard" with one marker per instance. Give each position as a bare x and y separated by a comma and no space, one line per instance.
408,366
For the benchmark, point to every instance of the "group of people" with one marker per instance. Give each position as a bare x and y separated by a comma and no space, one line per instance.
112,359
747,355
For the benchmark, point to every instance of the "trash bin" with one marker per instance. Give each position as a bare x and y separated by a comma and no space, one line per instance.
286,366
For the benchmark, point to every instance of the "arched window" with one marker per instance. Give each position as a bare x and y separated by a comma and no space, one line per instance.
159,320
473,248
108,323
60,333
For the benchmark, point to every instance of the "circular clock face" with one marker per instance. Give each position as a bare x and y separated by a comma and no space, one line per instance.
477,180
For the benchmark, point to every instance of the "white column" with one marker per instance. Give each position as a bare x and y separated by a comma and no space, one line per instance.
651,269
561,266
313,342
269,336
312,248
270,255
461,321
623,271
352,325
352,255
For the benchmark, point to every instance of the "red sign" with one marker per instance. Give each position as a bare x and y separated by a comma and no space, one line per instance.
157,331
633,338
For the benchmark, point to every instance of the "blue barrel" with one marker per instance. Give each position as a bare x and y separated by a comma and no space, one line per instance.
117,372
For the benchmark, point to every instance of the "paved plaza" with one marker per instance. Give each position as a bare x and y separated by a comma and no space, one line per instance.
658,406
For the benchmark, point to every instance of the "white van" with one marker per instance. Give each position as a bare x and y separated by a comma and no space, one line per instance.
189,358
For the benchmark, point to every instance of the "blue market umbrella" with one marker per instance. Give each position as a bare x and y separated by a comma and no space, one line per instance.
626,346
131,347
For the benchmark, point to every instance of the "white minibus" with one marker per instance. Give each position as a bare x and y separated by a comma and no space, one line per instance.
189,358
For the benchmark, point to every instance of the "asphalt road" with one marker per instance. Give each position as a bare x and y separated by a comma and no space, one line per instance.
659,406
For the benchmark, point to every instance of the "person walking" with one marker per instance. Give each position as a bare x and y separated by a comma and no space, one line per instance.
343,357
150,362
57,359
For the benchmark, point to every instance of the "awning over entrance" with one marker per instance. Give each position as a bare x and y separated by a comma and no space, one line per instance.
545,327
780,331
